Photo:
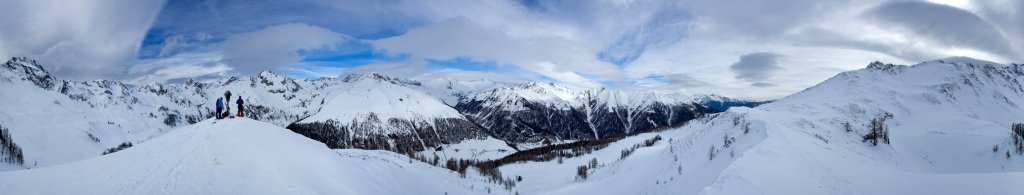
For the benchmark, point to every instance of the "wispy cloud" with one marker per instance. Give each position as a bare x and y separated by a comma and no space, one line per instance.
276,46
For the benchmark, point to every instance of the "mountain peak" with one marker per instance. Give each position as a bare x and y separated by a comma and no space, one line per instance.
269,77
378,77
368,75
268,74
542,86
30,70
876,65
965,60
28,64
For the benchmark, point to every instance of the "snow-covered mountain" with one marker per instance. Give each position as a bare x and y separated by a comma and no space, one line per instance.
722,103
374,111
56,121
537,111
53,121
452,90
942,127
947,122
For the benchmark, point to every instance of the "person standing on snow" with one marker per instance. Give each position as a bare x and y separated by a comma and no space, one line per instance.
241,112
220,107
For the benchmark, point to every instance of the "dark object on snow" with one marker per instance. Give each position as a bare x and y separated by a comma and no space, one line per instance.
9,152
227,97
241,110
123,146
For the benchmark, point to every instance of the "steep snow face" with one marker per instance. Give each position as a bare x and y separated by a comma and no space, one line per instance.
384,97
373,111
241,156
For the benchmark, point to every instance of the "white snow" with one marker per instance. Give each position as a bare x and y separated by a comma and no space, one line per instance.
384,97
943,132
947,115
487,148
240,156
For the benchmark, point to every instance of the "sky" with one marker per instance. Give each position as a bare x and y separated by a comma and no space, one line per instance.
747,49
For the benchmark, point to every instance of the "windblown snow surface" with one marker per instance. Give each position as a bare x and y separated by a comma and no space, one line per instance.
241,156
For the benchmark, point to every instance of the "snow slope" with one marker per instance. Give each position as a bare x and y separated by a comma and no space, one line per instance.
385,97
53,124
58,121
946,117
240,156
374,111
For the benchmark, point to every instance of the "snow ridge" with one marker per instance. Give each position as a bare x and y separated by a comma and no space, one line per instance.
244,156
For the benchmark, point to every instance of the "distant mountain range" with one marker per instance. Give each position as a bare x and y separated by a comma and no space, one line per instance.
947,126
54,121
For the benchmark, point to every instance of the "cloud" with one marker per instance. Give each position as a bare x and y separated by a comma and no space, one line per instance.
222,18
671,81
624,29
945,25
684,80
552,56
756,67
314,70
276,46
180,66
77,39
184,42
762,84
762,19
468,75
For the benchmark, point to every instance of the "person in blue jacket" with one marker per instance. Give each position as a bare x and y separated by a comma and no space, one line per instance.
220,107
